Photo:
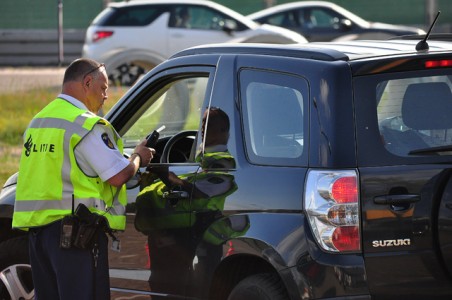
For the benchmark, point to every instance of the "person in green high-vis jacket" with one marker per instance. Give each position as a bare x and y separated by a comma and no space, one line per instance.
73,157
175,228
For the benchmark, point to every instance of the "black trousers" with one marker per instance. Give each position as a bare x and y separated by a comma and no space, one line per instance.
66,274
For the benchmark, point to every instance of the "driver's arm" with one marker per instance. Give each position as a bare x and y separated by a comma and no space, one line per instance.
172,180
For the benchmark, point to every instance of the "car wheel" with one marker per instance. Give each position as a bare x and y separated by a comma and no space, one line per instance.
259,287
15,276
126,74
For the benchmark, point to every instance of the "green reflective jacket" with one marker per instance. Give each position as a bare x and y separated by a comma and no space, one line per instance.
49,176
155,211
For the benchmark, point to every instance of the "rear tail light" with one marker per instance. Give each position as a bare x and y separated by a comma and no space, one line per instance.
100,35
332,207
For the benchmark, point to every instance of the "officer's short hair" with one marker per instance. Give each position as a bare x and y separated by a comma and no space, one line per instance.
80,68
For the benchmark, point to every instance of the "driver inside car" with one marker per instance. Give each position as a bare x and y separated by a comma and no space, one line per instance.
172,227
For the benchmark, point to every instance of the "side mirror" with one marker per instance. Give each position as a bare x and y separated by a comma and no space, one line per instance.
345,24
229,26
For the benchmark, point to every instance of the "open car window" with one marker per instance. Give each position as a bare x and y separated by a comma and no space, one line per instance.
174,108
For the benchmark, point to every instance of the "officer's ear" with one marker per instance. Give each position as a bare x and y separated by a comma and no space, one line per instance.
87,82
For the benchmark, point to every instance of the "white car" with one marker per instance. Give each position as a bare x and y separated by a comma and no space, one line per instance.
133,37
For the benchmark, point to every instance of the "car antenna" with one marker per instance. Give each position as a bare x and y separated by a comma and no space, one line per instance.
423,45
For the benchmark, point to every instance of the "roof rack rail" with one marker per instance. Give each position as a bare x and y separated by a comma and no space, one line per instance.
293,50
447,37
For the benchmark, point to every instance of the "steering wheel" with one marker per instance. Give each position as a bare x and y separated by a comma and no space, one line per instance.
172,141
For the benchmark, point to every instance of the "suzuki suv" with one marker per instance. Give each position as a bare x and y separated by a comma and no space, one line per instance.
310,171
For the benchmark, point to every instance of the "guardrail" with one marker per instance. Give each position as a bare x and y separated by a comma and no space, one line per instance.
39,47
24,47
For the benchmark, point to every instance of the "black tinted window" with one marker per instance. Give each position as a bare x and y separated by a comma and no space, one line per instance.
129,16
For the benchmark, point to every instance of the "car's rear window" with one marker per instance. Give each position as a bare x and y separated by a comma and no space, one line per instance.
415,113
404,117
140,15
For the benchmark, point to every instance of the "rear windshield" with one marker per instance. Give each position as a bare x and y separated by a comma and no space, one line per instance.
415,113
405,116
139,15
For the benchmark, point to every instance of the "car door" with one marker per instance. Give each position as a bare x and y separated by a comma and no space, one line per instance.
404,138
252,159
155,252
200,25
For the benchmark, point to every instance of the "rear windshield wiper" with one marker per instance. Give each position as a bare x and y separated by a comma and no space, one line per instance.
439,149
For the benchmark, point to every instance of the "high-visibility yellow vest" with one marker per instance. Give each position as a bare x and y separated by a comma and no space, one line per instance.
216,160
225,229
50,183
154,211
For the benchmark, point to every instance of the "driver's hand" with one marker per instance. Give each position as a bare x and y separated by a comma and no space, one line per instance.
159,170
145,153
147,178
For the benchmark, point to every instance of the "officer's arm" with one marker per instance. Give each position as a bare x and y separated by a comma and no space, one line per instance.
141,157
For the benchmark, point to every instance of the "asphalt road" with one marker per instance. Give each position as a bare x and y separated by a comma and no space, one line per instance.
25,78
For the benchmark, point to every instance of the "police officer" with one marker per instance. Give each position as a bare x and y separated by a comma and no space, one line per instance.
71,156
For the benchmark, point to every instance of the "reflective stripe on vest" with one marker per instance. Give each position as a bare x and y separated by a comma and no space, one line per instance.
41,199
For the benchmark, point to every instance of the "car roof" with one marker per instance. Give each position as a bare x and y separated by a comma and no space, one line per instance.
301,4
250,23
365,49
158,2
357,52
346,50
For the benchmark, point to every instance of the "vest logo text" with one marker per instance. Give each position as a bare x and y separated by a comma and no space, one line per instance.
32,147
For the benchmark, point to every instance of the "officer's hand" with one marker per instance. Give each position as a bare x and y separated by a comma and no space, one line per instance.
146,154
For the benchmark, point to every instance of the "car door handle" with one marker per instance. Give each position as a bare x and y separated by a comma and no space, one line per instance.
177,35
396,199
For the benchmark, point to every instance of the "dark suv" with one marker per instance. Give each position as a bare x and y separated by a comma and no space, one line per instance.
310,171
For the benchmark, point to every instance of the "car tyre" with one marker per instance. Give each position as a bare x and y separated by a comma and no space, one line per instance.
15,269
260,287
126,74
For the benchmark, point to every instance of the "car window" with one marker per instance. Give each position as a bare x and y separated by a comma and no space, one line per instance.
415,113
181,17
175,107
198,17
319,18
284,19
139,15
273,114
